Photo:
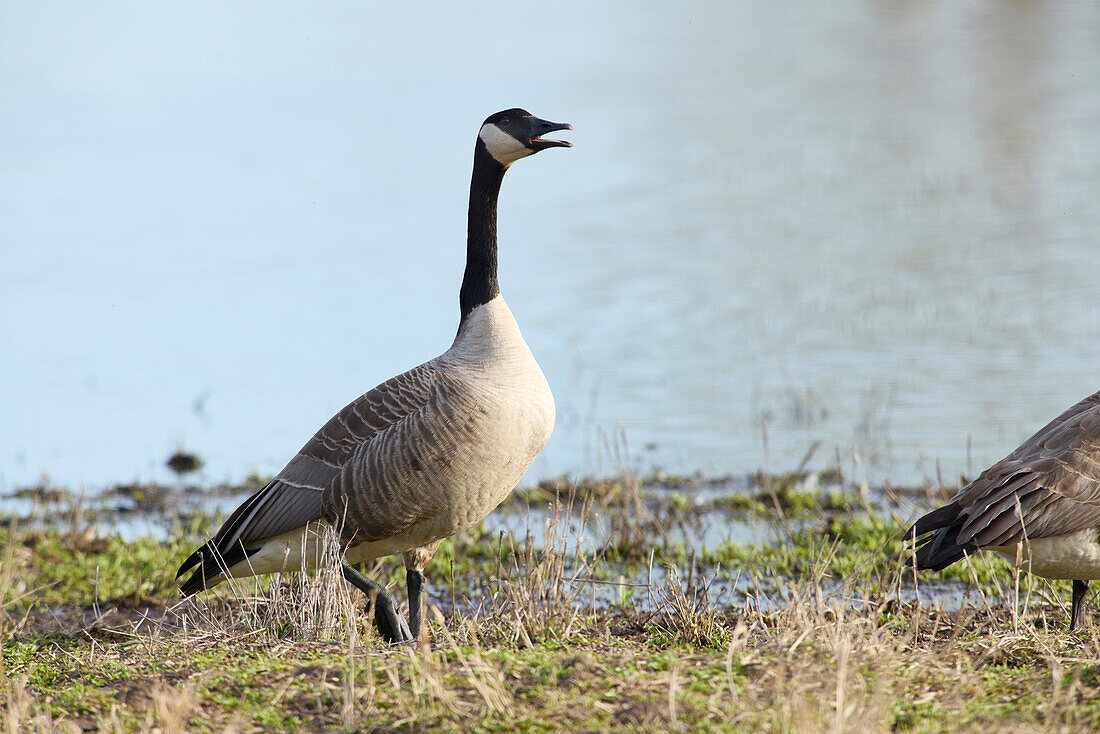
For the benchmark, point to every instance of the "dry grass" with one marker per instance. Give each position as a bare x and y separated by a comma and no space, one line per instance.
313,606
536,654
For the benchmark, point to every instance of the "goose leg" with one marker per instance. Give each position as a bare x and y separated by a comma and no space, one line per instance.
414,581
1080,593
390,624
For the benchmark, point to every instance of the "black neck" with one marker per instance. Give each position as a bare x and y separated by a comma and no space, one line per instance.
479,283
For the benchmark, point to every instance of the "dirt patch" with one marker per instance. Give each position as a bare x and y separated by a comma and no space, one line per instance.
142,693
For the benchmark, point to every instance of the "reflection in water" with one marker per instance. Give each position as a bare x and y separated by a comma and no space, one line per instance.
872,225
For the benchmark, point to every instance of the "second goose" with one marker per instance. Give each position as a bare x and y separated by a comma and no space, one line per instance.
1039,507
422,456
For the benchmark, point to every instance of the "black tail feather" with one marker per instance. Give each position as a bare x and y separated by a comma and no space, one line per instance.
939,550
936,519
210,558
191,560
942,549
210,564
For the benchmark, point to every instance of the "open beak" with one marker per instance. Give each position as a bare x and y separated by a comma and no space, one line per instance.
541,127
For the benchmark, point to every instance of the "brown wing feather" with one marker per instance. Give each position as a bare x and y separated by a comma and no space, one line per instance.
1053,478
295,496
396,478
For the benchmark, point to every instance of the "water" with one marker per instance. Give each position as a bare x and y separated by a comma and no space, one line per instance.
870,224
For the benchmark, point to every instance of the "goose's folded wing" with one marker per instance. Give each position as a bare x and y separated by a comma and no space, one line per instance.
295,496
401,475
1047,487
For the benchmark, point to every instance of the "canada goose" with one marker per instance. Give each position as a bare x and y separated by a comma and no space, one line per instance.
427,453
1040,504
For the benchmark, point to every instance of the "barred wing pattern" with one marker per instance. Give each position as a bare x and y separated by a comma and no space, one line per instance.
297,495
1055,477
399,477
1048,487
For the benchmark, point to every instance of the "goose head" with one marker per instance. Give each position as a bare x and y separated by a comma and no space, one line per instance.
514,134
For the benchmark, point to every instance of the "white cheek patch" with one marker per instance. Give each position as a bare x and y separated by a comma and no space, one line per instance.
502,146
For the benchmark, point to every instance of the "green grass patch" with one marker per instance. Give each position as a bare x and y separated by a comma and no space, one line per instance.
94,636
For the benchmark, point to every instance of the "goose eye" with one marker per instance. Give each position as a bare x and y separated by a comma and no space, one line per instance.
506,121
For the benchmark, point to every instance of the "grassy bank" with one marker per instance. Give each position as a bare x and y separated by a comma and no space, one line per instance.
814,630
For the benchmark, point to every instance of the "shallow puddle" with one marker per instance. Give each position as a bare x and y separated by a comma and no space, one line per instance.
686,514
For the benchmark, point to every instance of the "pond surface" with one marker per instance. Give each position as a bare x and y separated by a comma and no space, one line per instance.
869,224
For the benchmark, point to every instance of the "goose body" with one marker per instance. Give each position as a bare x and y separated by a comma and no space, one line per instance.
1039,507
425,454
